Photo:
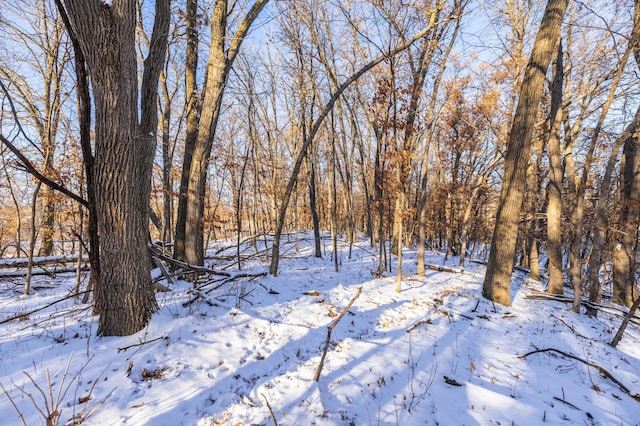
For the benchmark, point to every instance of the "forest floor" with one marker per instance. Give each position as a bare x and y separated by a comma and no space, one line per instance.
437,353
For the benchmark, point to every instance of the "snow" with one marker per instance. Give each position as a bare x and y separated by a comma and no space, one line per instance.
257,349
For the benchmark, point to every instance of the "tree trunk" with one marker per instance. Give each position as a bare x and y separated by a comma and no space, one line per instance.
83,97
554,188
602,219
222,54
497,282
625,289
624,259
47,217
314,209
124,151
192,118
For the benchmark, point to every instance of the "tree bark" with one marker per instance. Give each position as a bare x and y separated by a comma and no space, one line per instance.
497,282
124,151
554,187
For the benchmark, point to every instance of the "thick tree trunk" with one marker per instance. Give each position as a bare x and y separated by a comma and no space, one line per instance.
83,97
124,154
497,282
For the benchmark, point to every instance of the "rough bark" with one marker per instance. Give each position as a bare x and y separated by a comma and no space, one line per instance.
497,282
124,151
83,97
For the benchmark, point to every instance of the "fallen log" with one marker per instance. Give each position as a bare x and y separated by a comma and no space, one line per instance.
22,262
25,315
49,272
446,269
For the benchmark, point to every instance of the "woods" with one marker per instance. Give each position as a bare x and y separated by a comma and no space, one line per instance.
503,131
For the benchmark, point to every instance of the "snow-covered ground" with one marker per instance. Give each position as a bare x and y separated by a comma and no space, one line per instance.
436,354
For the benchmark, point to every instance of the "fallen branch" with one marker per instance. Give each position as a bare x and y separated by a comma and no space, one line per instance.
165,338
333,325
200,293
50,273
445,269
570,327
22,262
602,371
566,402
186,267
233,278
540,295
24,315
418,324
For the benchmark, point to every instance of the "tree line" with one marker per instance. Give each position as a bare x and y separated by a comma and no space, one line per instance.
505,130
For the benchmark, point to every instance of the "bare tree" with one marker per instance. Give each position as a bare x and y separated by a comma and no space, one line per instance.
222,55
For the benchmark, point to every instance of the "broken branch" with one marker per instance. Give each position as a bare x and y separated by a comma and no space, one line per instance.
602,371
335,322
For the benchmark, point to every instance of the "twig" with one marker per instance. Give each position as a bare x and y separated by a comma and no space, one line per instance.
335,322
15,407
124,348
566,402
273,416
418,324
590,364
570,327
